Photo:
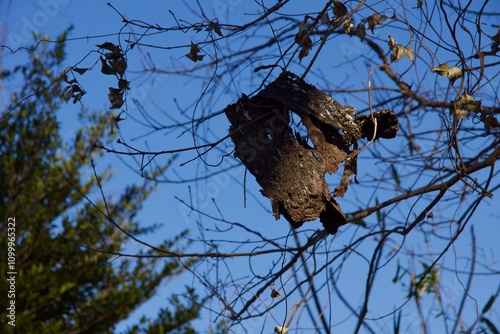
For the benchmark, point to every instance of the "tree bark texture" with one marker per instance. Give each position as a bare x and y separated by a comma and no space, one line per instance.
292,174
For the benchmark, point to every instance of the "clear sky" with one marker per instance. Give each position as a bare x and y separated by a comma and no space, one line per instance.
223,194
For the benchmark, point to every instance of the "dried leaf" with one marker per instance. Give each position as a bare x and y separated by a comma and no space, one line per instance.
193,53
115,96
194,48
76,88
360,31
195,57
109,46
398,51
490,122
339,9
112,55
467,102
453,72
123,84
303,26
373,20
115,50
302,38
409,53
66,94
105,68
78,97
119,66
460,113
214,25
392,43
116,120
442,69
114,90
274,293
71,91
306,42
303,53
80,71
65,78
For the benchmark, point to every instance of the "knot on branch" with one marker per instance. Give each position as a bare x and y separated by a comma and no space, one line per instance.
292,174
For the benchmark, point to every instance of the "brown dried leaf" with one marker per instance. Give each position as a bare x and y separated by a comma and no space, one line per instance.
460,113
109,46
214,25
106,69
392,43
117,119
66,93
398,51
115,96
409,53
372,20
303,53
274,293
453,72
360,31
193,53
339,9
490,122
302,38
467,102
195,57
80,71
78,97
123,84
119,65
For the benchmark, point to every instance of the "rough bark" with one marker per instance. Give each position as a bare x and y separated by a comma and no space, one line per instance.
291,174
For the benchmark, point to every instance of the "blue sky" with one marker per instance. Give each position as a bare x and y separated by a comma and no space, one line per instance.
95,23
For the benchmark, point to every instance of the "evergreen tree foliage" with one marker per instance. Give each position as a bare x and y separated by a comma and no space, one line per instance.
68,280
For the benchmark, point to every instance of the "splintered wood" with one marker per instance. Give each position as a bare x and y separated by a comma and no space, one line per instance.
292,174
